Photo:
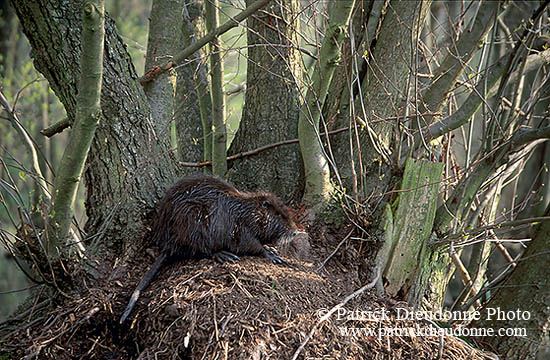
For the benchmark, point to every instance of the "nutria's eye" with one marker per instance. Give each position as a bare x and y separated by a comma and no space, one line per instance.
265,205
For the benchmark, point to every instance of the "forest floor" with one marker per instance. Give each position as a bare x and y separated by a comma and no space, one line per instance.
253,309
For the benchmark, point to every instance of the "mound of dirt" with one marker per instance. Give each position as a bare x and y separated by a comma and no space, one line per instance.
199,309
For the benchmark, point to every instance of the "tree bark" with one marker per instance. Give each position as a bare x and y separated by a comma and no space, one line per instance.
128,165
272,103
405,271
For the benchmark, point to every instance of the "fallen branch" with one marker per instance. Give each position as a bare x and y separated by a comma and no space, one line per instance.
333,310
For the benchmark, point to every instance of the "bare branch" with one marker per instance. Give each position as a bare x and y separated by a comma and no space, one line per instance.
56,128
474,100
28,142
256,151
152,74
472,232
526,135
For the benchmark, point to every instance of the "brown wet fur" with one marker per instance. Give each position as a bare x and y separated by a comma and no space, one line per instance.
201,215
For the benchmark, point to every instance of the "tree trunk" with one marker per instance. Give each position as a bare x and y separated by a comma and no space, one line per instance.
165,23
9,39
128,166
405,271
383,94
272,103
316,168
219,132
193,109
88,114
365,19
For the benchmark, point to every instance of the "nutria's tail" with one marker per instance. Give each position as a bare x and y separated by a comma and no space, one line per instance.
157,265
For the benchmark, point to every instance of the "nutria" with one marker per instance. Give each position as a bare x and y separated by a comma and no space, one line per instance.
204,216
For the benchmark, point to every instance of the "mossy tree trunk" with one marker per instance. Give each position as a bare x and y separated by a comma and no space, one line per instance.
128,167
406,270
88,114
219,132
272,103
316,167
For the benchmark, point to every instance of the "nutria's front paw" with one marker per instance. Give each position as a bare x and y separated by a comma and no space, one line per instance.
271,254
226,256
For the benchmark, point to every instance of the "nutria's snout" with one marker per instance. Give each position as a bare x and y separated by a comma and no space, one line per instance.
288,237
295,245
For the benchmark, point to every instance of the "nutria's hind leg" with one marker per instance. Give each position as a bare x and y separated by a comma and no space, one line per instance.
272,255
225,256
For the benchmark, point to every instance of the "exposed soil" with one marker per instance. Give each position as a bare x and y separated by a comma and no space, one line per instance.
199,309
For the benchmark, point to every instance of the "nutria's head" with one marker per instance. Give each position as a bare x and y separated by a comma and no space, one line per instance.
276,220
